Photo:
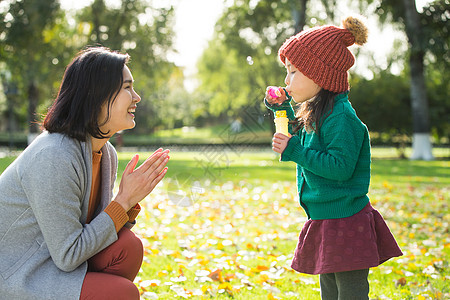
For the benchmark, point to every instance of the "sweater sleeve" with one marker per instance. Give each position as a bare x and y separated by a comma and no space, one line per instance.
286,105
117,214
133,213
342,138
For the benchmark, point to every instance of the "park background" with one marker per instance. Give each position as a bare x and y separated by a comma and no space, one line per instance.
224,222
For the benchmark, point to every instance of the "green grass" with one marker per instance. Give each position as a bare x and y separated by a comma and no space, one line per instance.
243,221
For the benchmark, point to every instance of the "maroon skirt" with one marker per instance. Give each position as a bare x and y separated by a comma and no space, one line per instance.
358,242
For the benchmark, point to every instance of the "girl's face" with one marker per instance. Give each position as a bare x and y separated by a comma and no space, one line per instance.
121,114
300,87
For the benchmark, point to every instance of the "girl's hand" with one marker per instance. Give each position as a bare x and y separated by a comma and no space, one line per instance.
279,142
278,100
135,185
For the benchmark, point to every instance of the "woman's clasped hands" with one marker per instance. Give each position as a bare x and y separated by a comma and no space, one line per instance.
136,184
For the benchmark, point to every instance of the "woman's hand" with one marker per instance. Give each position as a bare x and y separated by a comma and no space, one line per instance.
279,142
136,184
278,100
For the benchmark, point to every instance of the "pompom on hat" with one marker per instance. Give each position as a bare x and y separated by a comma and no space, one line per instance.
321,53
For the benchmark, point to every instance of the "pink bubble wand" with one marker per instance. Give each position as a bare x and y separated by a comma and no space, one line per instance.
274,92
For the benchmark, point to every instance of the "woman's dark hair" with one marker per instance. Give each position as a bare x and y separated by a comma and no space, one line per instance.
94,77
312,113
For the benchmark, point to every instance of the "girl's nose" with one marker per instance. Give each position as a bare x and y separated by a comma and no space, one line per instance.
286,80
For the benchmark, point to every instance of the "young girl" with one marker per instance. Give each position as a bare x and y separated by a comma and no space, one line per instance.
344,235
62,233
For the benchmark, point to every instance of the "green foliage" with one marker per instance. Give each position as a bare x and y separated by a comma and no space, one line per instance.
33,47
382,102
435,22
241,58
429,42
145,33
40,39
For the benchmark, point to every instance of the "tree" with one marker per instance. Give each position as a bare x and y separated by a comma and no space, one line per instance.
33,50
405,13
435,23
146,34
241,59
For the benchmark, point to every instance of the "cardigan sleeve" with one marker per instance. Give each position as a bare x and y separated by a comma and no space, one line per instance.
54,182
342,138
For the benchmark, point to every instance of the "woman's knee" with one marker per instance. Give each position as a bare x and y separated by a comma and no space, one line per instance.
125,290
128,240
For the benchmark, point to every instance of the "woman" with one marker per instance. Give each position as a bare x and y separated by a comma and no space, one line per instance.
63,235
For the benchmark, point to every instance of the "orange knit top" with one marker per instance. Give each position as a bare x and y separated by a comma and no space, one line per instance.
114,209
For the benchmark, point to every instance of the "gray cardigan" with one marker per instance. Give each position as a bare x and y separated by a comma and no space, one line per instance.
44,197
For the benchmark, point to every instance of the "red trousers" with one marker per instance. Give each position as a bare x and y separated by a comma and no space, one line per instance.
111,272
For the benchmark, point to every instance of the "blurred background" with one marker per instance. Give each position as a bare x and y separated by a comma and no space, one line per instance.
201,67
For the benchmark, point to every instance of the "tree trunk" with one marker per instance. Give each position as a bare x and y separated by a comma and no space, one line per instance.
299,15
98,8
418,94
33,97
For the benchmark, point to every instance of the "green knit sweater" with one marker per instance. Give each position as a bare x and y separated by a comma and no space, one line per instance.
333,168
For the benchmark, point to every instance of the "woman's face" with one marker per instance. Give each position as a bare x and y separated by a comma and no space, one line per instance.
300,87
121,114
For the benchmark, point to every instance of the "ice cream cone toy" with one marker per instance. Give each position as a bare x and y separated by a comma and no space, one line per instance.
281,122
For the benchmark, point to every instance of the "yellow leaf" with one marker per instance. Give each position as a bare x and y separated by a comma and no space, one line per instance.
205,288
225,286
399,272
162,273
272,297
262,268
263,278
204,262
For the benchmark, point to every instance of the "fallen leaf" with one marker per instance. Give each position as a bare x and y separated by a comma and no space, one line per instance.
401,282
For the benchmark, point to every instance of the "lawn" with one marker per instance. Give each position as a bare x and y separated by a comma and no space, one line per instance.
224,223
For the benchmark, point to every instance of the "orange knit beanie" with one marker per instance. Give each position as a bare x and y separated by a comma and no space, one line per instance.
321,53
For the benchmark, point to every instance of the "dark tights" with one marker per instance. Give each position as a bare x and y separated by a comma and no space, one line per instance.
351,285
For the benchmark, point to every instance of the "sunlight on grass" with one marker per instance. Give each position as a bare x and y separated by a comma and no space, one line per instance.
224,224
